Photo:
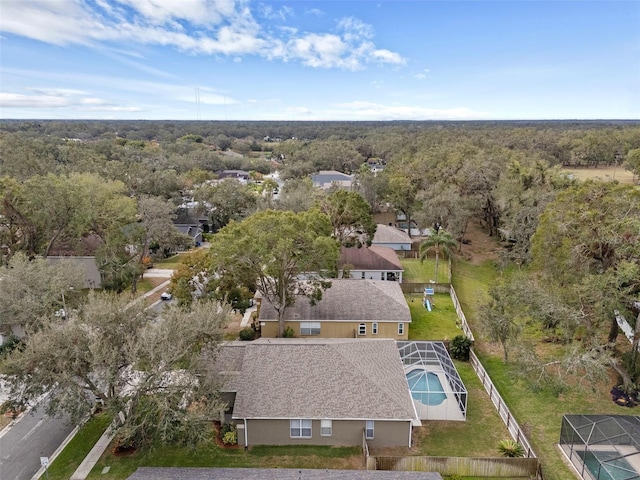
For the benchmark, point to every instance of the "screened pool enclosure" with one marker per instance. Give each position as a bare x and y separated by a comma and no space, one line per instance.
602,447
436,388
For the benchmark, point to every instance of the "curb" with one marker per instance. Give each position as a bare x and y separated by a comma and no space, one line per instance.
53,456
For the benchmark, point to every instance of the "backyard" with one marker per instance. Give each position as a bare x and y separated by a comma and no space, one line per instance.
538,412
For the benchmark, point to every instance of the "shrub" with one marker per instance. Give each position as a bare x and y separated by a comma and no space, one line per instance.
510,448
459,348
289,333
229,434
230,438
247,334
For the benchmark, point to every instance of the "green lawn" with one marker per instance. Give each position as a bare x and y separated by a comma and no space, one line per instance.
539,413
416,271
169,263
71,457
438,324
477,437
210,455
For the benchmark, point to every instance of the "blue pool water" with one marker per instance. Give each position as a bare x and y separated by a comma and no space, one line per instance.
605,466
426,387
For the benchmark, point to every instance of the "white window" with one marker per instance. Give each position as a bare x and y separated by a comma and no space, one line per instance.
325,428
401,329
362,329
368,431
381,275
362,275
300,428
374,328
309,328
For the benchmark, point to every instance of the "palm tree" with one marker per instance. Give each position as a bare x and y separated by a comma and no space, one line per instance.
440,241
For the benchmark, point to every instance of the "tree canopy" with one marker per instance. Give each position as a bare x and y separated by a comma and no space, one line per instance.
282,254
149,372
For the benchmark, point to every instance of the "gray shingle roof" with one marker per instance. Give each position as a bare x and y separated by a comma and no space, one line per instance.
323,378
149,473
371,258
348,299
387,234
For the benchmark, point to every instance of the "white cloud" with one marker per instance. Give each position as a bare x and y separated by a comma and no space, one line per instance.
355,29
17,100
359,110
61,98
315,12
197,12
211,27
422,75
388,56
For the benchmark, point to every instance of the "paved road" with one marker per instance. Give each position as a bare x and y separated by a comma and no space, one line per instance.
33,436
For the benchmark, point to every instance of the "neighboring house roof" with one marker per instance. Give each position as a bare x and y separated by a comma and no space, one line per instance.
192,230
92,277
323,378
387,234
375,257
169,473
233,174
228,367
348,299
325,178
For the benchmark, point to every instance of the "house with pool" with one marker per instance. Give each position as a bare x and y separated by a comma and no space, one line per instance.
317,391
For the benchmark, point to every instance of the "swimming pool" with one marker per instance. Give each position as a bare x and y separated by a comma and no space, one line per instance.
608,465
426,387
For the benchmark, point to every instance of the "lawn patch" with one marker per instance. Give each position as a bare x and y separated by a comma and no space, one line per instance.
437,324
74,453
416,271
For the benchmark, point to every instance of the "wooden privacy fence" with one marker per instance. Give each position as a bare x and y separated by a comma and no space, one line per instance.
463,466
418,288
504,412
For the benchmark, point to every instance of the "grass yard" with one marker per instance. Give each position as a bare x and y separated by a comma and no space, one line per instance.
71,457
477,437
437,324
169,263
539,413
416,271
210,455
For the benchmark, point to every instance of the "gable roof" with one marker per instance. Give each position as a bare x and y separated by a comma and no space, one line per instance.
323,378
388,234
326,177
348,299
375,257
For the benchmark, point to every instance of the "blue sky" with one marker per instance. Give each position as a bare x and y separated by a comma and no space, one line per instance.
322,60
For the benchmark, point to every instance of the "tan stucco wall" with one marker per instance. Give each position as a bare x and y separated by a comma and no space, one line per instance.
344,433
335,329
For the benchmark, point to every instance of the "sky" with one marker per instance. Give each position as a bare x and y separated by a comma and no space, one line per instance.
319,60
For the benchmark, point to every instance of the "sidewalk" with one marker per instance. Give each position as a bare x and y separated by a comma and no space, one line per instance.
93,456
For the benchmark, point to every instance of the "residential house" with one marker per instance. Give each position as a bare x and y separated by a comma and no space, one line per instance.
389,236
193,230
92,276
326,179
348,309
293,391
371,263
239,175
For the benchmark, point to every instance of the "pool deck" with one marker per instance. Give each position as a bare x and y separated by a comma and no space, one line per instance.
448,409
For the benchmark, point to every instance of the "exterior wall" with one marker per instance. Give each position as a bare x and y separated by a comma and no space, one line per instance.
335,329
344,433
375,274
395,246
